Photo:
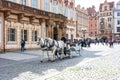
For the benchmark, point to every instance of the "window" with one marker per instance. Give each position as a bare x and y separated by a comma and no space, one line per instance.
23,2
35,3
109,19
66,11
34,35
100,14
47,6
24,34
67,36
118,14
54,6
60,8
105,8
11,0
71,36
109,25
110,13
118,22
71,14
118,29
11,34
69,0
91,25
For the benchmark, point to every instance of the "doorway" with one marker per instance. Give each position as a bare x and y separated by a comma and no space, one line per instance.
55,33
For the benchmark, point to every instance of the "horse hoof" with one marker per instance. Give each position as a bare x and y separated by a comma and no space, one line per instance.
41,61
52,60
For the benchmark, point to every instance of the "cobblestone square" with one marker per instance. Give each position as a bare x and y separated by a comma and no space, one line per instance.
99,62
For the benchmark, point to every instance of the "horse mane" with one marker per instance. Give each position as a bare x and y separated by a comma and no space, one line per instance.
50,42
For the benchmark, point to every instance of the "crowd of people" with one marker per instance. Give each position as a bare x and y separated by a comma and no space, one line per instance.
83,42
87,42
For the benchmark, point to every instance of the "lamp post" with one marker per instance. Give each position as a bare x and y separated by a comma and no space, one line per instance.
76,25
84,31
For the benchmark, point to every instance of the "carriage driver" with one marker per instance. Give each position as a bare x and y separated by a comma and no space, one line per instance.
64,40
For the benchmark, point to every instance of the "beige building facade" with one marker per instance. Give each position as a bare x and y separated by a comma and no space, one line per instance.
28,20
81,22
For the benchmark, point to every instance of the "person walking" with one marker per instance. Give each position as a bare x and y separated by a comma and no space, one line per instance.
22,45
65,42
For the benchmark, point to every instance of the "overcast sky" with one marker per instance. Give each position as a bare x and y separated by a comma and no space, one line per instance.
89,3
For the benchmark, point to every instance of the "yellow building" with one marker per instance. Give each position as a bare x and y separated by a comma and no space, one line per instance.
28,20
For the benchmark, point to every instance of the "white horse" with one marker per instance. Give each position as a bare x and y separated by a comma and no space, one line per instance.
56,46
43,46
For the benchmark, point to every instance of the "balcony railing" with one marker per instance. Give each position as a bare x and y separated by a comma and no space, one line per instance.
26,9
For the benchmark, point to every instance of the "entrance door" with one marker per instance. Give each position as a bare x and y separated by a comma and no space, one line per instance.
55,33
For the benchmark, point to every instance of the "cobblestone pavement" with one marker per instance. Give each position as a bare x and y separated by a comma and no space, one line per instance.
96,63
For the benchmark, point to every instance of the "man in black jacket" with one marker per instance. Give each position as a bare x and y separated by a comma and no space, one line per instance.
64,39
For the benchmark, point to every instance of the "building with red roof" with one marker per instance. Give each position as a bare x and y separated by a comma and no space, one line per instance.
106,19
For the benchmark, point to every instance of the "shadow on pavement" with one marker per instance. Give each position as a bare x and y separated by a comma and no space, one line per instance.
12,71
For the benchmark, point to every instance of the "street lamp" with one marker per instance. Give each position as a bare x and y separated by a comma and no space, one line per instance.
84,30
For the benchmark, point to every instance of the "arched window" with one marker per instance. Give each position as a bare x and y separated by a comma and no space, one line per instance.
35,3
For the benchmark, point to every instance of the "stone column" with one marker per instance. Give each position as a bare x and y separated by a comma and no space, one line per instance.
43,28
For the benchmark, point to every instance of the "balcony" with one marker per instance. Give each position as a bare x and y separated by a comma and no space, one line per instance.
7,5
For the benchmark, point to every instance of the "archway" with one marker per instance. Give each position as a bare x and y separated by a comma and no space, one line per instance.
104,38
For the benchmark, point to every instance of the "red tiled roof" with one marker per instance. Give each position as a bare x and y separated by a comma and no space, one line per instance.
91,10
110,3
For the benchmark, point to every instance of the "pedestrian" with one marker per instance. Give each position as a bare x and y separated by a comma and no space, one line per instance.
64,39
83,44
65,42
22,45
110,43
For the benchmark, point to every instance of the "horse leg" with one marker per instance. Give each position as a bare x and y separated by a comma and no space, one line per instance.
42,56
48,55
53,53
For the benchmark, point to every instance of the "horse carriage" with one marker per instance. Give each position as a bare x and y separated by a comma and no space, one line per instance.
58,49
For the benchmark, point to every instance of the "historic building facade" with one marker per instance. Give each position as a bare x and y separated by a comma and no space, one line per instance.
116,29
69,12
28,20
92,22
81,22
106,19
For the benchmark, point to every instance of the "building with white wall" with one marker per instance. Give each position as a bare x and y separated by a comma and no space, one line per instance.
81,21
116,23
